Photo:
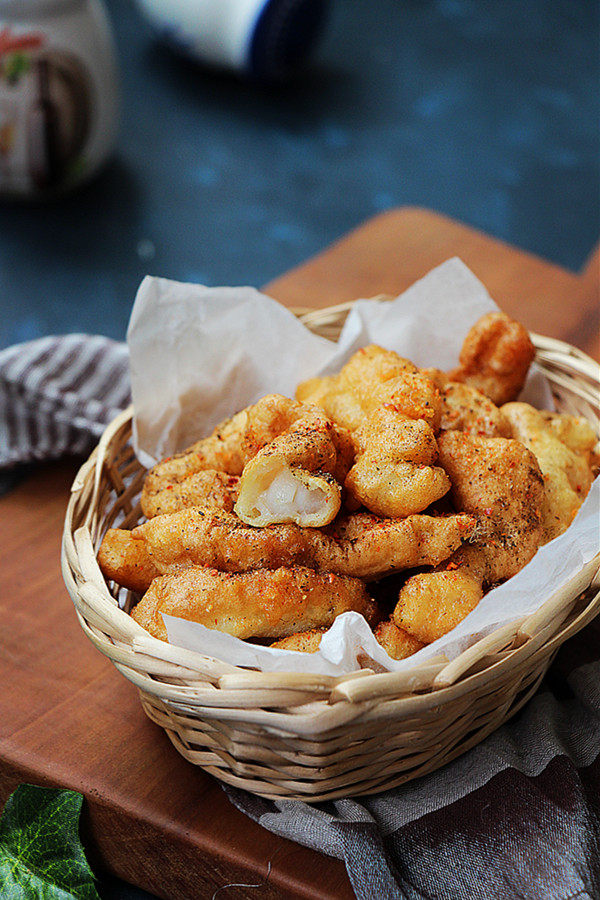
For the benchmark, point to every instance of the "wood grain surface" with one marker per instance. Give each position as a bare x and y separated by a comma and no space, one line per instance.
388,253
68,718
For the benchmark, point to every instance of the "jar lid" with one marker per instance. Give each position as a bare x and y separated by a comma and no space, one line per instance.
284,35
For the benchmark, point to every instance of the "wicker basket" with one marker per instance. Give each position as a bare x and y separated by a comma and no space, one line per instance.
316,737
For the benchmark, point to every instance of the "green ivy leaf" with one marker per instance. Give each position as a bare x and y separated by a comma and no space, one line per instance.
40,852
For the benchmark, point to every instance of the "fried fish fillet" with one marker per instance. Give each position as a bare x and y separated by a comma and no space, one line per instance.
576,433
302,641
229,446
221,451
432,603
397,642
495,357
567,473
340,404
294,478
393,410
499,481
374,377
464,408
394,474
126,561
275,414
206,488
236,441
360,545
261,604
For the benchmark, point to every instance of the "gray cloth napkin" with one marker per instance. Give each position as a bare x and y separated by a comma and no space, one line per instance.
518,816
57,394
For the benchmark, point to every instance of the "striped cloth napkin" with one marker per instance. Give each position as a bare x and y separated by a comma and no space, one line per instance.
57,394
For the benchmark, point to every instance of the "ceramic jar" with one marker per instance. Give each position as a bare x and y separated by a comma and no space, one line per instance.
58,95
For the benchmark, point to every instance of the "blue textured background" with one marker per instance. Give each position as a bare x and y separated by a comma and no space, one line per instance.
487,111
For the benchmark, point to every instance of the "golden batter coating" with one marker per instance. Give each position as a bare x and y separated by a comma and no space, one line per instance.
340,405
394,474
294,477
433,603
313,390
222,451
500,482
266,419
238,440
464,408
397,642
495,357
275,414
567,474
375,365
374,377
576,433
207,488
360,545
261,604
393,410
302,641
125,560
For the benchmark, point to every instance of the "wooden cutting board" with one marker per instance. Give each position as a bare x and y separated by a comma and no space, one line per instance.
67,718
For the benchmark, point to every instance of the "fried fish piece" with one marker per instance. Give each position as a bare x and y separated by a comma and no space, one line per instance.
394,474
206,488
359,545
229,446
380,377
261,604
495,357
499,481
397,642
313,390
302,641
269,417
464,408
275,414
374,377
235,442
125,560
576,433
221,451
393,410
341,405
273,493
567,473
432,603
294,478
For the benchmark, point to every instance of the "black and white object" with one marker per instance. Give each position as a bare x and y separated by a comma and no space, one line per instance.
264,39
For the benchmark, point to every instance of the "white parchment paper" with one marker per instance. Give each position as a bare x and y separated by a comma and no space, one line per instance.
201,354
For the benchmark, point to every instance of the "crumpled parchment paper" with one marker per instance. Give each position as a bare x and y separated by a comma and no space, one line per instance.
200,354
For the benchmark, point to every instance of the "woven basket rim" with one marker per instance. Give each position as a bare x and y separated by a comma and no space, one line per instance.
558,618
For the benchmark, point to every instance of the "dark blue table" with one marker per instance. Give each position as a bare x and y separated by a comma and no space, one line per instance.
485,111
